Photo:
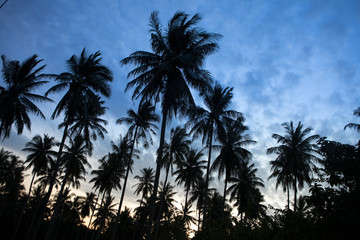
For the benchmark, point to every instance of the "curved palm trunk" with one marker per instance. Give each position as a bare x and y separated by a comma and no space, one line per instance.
207,175
38,216
54,219
97,231
124,187
157,175
186,197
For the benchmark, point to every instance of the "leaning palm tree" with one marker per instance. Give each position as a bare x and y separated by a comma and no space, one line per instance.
86,77
190,172
145,184
74,160
232,152
141,128
296,154
206,122
40,154
16,99
164,75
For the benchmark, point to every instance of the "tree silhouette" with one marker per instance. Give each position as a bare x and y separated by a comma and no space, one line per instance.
16,100
295,157
179,52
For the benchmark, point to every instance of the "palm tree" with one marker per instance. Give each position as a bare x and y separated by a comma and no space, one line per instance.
179,52
74,160
198,195
40,155
86,77
190,171
232,153
244,191
294,162
87,121
354,125
146,183
16,99
207,122
167,193
141,127
176,150
105,213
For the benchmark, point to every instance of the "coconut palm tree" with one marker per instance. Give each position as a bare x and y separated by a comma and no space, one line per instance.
104,215
232,152
198,194
167,193
245,187
16,99
87,121
164,75
296,153
206,122
74,160
190,171
86,77
141,127
40,154
145,184
176,150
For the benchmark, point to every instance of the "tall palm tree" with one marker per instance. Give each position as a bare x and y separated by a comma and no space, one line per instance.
245,187
74,160
174,154
207,122
232,153
16,99
164,75
141,127
125,151
296,153
190,171
146,183
86,77
40,154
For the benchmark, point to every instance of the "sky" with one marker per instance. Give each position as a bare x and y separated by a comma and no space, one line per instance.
286,60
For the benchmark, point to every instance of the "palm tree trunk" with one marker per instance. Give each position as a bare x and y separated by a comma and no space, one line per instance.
38,216
225,186
31,183
157,175
54,219
161,203
295,191
186,197
124,187
97,231
288,196
207,174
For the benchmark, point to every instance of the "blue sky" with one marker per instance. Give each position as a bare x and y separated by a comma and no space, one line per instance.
286,60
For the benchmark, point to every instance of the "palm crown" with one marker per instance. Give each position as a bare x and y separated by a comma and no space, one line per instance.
16,100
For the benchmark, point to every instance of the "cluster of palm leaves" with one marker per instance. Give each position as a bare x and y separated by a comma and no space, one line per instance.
167,75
